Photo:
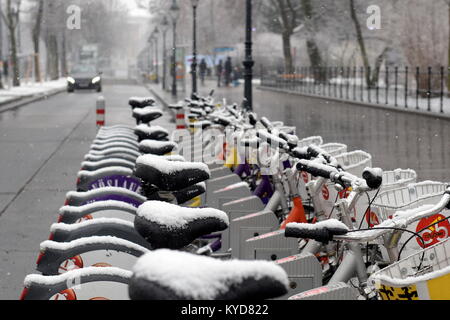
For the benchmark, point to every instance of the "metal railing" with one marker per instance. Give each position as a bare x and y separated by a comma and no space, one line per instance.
401,87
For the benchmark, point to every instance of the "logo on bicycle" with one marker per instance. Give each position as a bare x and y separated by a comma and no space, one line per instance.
325,193
372,219
71,264
68,295
305,176
439,230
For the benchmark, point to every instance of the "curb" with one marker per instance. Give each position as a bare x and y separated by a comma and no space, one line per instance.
361,104
25,100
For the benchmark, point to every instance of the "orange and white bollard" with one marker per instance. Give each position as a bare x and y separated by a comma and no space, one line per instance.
180,119
101,106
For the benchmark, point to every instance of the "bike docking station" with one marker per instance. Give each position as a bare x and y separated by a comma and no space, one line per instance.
205,197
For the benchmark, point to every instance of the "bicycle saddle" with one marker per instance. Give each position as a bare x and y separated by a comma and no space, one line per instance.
147,114
170,175
321,231
144,132
141,102
155,147
173,275
166,225
189,193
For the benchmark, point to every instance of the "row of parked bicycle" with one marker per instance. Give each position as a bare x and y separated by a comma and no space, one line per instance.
238,207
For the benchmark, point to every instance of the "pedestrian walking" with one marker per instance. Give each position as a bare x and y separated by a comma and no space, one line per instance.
236,76
228,71
219,72
203,69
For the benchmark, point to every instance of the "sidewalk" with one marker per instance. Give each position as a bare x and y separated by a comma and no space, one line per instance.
368,99
31,90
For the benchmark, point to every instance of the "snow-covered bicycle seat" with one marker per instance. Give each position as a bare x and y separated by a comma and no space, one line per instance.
141,102
170,175
166,225
144,132
174,275
147,114
156,147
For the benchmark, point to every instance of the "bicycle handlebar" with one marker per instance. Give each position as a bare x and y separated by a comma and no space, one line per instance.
272,139
371,177
316,169
266,123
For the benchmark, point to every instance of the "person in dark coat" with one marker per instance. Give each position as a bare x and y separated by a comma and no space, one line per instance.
219,73
228,71
203,69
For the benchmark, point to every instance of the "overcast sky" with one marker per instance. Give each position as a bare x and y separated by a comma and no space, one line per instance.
135,10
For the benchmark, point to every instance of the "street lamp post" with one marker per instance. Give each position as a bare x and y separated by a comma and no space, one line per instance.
155,37
164,28
194,47
248,62
174,13
150,58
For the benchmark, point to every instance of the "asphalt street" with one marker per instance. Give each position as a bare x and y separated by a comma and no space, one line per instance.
42,146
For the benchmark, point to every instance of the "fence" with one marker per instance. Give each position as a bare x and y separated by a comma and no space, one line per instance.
402,87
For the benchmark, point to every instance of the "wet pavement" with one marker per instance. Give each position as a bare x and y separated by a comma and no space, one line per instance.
394,139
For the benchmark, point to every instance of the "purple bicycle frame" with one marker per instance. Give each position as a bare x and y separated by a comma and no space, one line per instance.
241,169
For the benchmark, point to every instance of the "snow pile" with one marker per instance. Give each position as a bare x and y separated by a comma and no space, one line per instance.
154,144
170,167
106,162
202,278
113,150
65,246
100,205
147,111
176,217
76,274
91,194
330,224
109,170
150,130
411,214
376,172
174,157
72,227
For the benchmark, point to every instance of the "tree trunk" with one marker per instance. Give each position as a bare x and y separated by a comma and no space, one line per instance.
376,71
36,36
287,51
360,40
311,45
448,66
14,60
52,57
1,48
64,71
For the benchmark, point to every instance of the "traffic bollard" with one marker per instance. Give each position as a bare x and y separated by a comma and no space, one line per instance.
100,112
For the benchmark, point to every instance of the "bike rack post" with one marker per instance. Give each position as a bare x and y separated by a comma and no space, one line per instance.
101,106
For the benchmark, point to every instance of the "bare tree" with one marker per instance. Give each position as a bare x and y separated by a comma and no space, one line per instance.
36,35
371,77
11,19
